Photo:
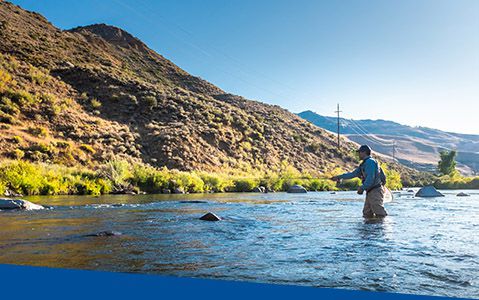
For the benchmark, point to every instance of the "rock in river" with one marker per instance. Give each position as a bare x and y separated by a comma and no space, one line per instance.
259,189
297,189
105,233
428,191
18,204
462,194
210,217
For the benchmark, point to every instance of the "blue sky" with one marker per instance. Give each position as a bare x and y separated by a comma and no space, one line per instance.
414,62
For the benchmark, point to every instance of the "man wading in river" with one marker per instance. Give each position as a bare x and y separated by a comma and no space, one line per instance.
373,181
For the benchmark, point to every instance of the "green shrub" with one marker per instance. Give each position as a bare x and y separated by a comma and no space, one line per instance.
63,144
393,178
321,185
118,172
3,188
22,177
189,182
87,148
244,184
22,98
5,79
7,119
456,181
151,101
216,183
95,103
17,154
17,139
350,184
42,148
8,107
37,76
38,131
149,179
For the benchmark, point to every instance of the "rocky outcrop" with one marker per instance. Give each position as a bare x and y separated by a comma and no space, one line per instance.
428,191
210,217
297,189
7,204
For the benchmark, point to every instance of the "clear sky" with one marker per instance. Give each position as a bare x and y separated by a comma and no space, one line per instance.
411,61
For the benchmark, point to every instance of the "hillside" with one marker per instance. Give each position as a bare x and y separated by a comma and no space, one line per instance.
95,93
417,147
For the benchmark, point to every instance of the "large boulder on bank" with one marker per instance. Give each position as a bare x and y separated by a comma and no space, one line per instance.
297,189
210,217
18,204
428,191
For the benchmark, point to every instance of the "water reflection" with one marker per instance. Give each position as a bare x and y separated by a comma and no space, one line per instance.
317,239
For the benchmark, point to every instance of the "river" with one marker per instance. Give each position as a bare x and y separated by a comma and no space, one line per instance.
425,246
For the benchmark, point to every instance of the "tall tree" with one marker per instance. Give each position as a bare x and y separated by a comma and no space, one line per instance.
447,163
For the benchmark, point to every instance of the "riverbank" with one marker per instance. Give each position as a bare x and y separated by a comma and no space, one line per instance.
18,177
116,177
26,178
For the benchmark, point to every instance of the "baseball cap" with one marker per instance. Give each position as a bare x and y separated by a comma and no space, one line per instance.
364,148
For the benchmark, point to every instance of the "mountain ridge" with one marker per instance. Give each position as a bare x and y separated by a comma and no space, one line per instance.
417,147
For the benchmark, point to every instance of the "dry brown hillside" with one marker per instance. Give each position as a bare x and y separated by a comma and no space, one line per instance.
94,93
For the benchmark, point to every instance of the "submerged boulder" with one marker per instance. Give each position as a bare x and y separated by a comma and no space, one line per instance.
462,194
210,217
18,204
105,233
428,191
297,189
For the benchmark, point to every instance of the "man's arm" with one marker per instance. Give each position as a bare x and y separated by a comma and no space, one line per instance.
370,174
350,175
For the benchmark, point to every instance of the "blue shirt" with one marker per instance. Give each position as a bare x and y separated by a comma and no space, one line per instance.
369,171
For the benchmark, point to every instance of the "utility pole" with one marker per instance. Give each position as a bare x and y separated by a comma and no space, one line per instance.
338,111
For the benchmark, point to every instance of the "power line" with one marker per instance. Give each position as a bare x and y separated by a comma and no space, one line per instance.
383,140
188,41
369,137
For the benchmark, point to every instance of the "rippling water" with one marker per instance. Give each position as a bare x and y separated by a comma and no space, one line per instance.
425,246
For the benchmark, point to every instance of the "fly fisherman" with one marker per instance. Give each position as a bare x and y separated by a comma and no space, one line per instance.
373,181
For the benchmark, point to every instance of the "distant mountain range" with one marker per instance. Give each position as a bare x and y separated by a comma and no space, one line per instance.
417,147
